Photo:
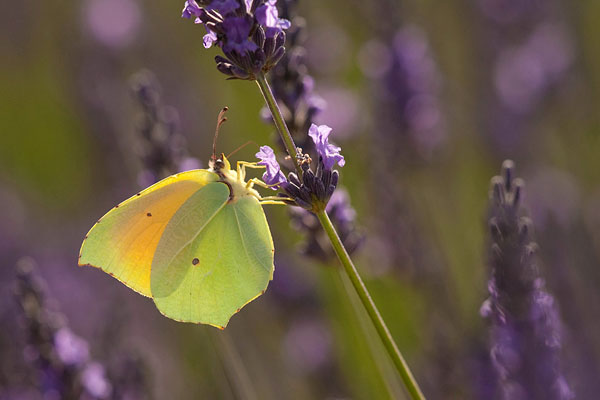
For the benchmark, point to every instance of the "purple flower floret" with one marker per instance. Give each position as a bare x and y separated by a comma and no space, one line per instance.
268,16
209,39
328,152
273,174
191,9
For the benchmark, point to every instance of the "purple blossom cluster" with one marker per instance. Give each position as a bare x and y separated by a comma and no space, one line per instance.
526,337
315,189
249,32
161,147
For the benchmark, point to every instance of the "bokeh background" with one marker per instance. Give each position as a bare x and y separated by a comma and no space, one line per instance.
426,98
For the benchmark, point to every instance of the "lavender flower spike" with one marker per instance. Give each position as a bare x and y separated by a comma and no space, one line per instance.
273,174
249,32
524,316
328,152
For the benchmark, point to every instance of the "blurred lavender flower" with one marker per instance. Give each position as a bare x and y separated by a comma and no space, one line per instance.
308,344
344,111
70,348
114,23
407,85
524,73
61,358
249,32
531,52
59,355
409,129
93,379
161,146
525,322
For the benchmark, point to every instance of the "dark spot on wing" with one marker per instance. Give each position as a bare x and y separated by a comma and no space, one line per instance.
117,206
149,214
195,261
138,194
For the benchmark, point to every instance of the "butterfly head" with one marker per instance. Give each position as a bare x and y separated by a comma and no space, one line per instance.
219,164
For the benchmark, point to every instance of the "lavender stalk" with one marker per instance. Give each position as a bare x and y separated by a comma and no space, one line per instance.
525,323
282,128
362,291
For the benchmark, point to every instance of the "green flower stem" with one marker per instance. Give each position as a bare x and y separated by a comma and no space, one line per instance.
286,136
369,304
340,250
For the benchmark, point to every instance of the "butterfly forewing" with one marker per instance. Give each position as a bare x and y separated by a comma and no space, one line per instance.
123,242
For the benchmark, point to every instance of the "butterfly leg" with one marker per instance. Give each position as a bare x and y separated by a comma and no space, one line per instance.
241,168
256,181
276,202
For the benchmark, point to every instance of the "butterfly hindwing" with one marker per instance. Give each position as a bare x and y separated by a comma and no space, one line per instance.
206,272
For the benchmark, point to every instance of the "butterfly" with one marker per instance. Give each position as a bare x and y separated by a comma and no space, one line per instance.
197,242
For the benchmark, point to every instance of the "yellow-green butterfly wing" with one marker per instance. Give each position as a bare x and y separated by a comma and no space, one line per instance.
204,272
199,251
123,242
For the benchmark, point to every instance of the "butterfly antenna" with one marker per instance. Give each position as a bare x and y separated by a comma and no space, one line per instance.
220,120
241,147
